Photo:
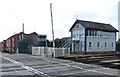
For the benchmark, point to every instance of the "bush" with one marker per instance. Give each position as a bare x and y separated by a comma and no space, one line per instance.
5,51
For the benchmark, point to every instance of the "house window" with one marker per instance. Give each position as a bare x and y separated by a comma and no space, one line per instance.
105,44
95,32
98,44
89,44
77,26
77,33
92,32
98,33
73,34
112,44
81,32
89,32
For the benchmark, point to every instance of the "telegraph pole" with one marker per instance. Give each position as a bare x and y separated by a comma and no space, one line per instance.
52,25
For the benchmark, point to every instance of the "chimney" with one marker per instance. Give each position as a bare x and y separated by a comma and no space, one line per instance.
23,27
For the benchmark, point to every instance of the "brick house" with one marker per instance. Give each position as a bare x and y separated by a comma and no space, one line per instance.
11,44
4,45
33,35
1,46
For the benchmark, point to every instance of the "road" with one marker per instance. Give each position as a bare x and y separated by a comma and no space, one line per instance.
24,65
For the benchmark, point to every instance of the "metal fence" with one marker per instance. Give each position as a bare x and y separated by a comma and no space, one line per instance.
49,51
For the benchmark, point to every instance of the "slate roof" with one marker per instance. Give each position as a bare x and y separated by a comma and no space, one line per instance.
95,25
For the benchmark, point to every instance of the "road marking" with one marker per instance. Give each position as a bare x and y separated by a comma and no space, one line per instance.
81,67
55,67
74,73
25,67
99,72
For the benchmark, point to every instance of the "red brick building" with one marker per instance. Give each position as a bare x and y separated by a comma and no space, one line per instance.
1,46
33,35
11,44
4,45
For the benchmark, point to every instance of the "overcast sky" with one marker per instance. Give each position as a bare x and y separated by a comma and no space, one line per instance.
35,14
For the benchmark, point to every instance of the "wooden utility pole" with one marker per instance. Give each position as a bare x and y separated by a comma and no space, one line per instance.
52,25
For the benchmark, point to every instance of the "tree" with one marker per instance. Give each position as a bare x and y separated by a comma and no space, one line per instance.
118,46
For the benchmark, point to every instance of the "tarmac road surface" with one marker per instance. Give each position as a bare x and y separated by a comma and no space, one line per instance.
24,65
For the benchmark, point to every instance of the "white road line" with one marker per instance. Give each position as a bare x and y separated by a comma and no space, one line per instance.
25,67
45,66
15,70
99,72
81,67
55,67
74,73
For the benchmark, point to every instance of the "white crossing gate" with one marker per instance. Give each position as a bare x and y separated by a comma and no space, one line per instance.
49,51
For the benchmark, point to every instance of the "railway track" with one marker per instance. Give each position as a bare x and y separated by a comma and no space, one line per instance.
110,61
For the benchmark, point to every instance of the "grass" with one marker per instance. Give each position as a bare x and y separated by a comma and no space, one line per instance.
75,55
89,55
118,52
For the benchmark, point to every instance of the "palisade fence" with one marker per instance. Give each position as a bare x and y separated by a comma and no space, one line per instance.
49,51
